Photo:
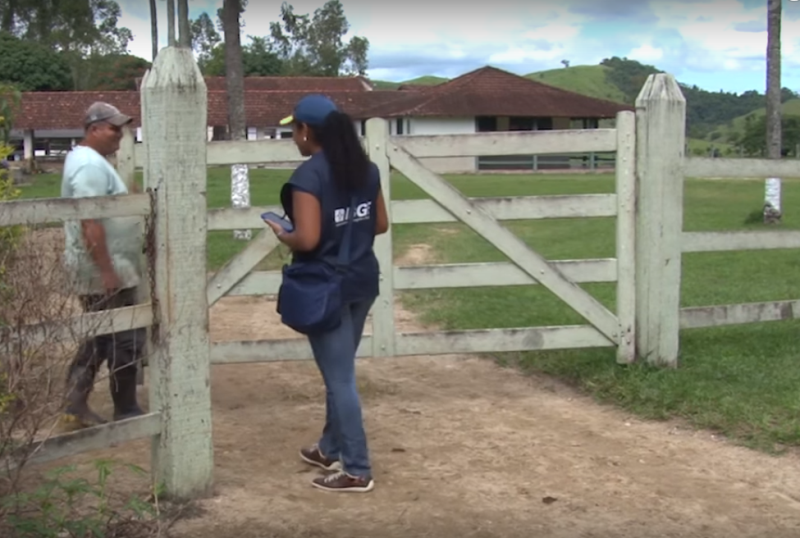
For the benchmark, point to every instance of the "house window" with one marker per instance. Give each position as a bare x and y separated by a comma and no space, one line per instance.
399,126
285,134
521,123
544,124
486,124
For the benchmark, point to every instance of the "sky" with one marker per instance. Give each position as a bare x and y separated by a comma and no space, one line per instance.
715,44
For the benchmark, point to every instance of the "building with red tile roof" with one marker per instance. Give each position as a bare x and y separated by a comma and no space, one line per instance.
486,99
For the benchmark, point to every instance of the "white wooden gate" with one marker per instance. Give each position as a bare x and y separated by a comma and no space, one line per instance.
604,328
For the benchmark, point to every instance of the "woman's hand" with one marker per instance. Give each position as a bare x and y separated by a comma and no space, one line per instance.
277,228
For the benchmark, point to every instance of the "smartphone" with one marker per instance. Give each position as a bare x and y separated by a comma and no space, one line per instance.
277,219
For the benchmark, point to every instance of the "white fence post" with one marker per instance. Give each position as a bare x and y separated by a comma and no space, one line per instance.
174,101
626,235
383,334
660,143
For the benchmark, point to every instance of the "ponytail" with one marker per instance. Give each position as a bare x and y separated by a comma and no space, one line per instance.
349,163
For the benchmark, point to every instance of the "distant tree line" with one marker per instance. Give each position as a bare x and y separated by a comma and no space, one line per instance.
705,110
50,45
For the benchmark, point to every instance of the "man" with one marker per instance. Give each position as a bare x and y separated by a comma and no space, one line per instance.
102,258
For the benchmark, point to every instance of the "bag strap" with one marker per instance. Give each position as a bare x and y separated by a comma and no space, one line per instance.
344,249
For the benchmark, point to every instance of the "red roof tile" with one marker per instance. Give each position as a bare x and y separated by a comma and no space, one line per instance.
483,92
489,91
64,110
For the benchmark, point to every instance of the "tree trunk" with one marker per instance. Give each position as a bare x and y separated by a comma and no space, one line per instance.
234,78
154,28
9,17
772,205
184,26
171,23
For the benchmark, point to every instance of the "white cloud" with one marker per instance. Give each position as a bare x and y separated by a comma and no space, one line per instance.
646,53
416,37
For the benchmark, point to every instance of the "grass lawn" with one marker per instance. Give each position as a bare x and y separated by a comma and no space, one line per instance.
741,381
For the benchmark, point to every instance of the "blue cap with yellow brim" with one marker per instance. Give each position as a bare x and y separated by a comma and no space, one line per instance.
311,110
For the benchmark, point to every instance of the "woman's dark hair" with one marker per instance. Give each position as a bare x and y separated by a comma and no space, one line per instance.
349,162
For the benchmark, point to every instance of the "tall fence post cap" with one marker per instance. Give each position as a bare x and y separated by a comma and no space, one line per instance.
660,87
174,67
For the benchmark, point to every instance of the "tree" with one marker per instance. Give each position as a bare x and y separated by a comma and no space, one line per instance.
234,77
78,29
10,98
754,143
258,60
31,66
204,38
117,72
314,45
773,118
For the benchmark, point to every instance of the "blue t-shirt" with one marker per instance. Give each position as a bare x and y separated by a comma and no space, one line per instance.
363,271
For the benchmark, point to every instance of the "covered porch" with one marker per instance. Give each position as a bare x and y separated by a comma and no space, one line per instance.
576,161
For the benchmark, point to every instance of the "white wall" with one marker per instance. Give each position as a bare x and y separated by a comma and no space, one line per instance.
443,126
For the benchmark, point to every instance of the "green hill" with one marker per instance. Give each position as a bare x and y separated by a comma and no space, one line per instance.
735,127
587,80
427,80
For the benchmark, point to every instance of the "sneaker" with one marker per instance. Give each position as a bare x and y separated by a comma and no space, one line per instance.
314,457
342,481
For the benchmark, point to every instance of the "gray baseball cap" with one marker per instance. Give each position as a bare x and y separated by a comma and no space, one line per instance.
101,111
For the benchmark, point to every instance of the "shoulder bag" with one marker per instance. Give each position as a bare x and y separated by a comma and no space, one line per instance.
310,295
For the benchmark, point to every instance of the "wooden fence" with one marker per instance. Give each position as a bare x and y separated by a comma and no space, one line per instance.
649,145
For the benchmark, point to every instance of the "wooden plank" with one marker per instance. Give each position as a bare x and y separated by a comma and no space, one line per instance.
500,340
94,438
738,314
241,264
422,343
739,240
423,211
706,167
453,275
175,97
47,210
626,236
465,275
81,326
660,137
223,153
511,208
231,218
505,241
383,327
288,349
561,141
230,152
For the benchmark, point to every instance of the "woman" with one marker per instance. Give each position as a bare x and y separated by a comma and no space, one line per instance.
317,199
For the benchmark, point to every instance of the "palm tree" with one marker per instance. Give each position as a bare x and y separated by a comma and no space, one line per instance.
772,206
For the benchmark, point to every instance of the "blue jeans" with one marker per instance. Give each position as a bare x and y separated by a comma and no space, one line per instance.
343,436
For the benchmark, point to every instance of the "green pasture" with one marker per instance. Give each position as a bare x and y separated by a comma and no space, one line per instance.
740,381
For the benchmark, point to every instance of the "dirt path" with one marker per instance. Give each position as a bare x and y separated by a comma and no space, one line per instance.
463,448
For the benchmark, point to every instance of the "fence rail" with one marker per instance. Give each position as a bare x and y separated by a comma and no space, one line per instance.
51,210
704,167
567,141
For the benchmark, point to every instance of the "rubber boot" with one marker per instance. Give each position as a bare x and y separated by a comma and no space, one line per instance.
123,393
78,415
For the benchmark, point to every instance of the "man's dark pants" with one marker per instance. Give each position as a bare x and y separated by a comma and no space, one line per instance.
122,350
